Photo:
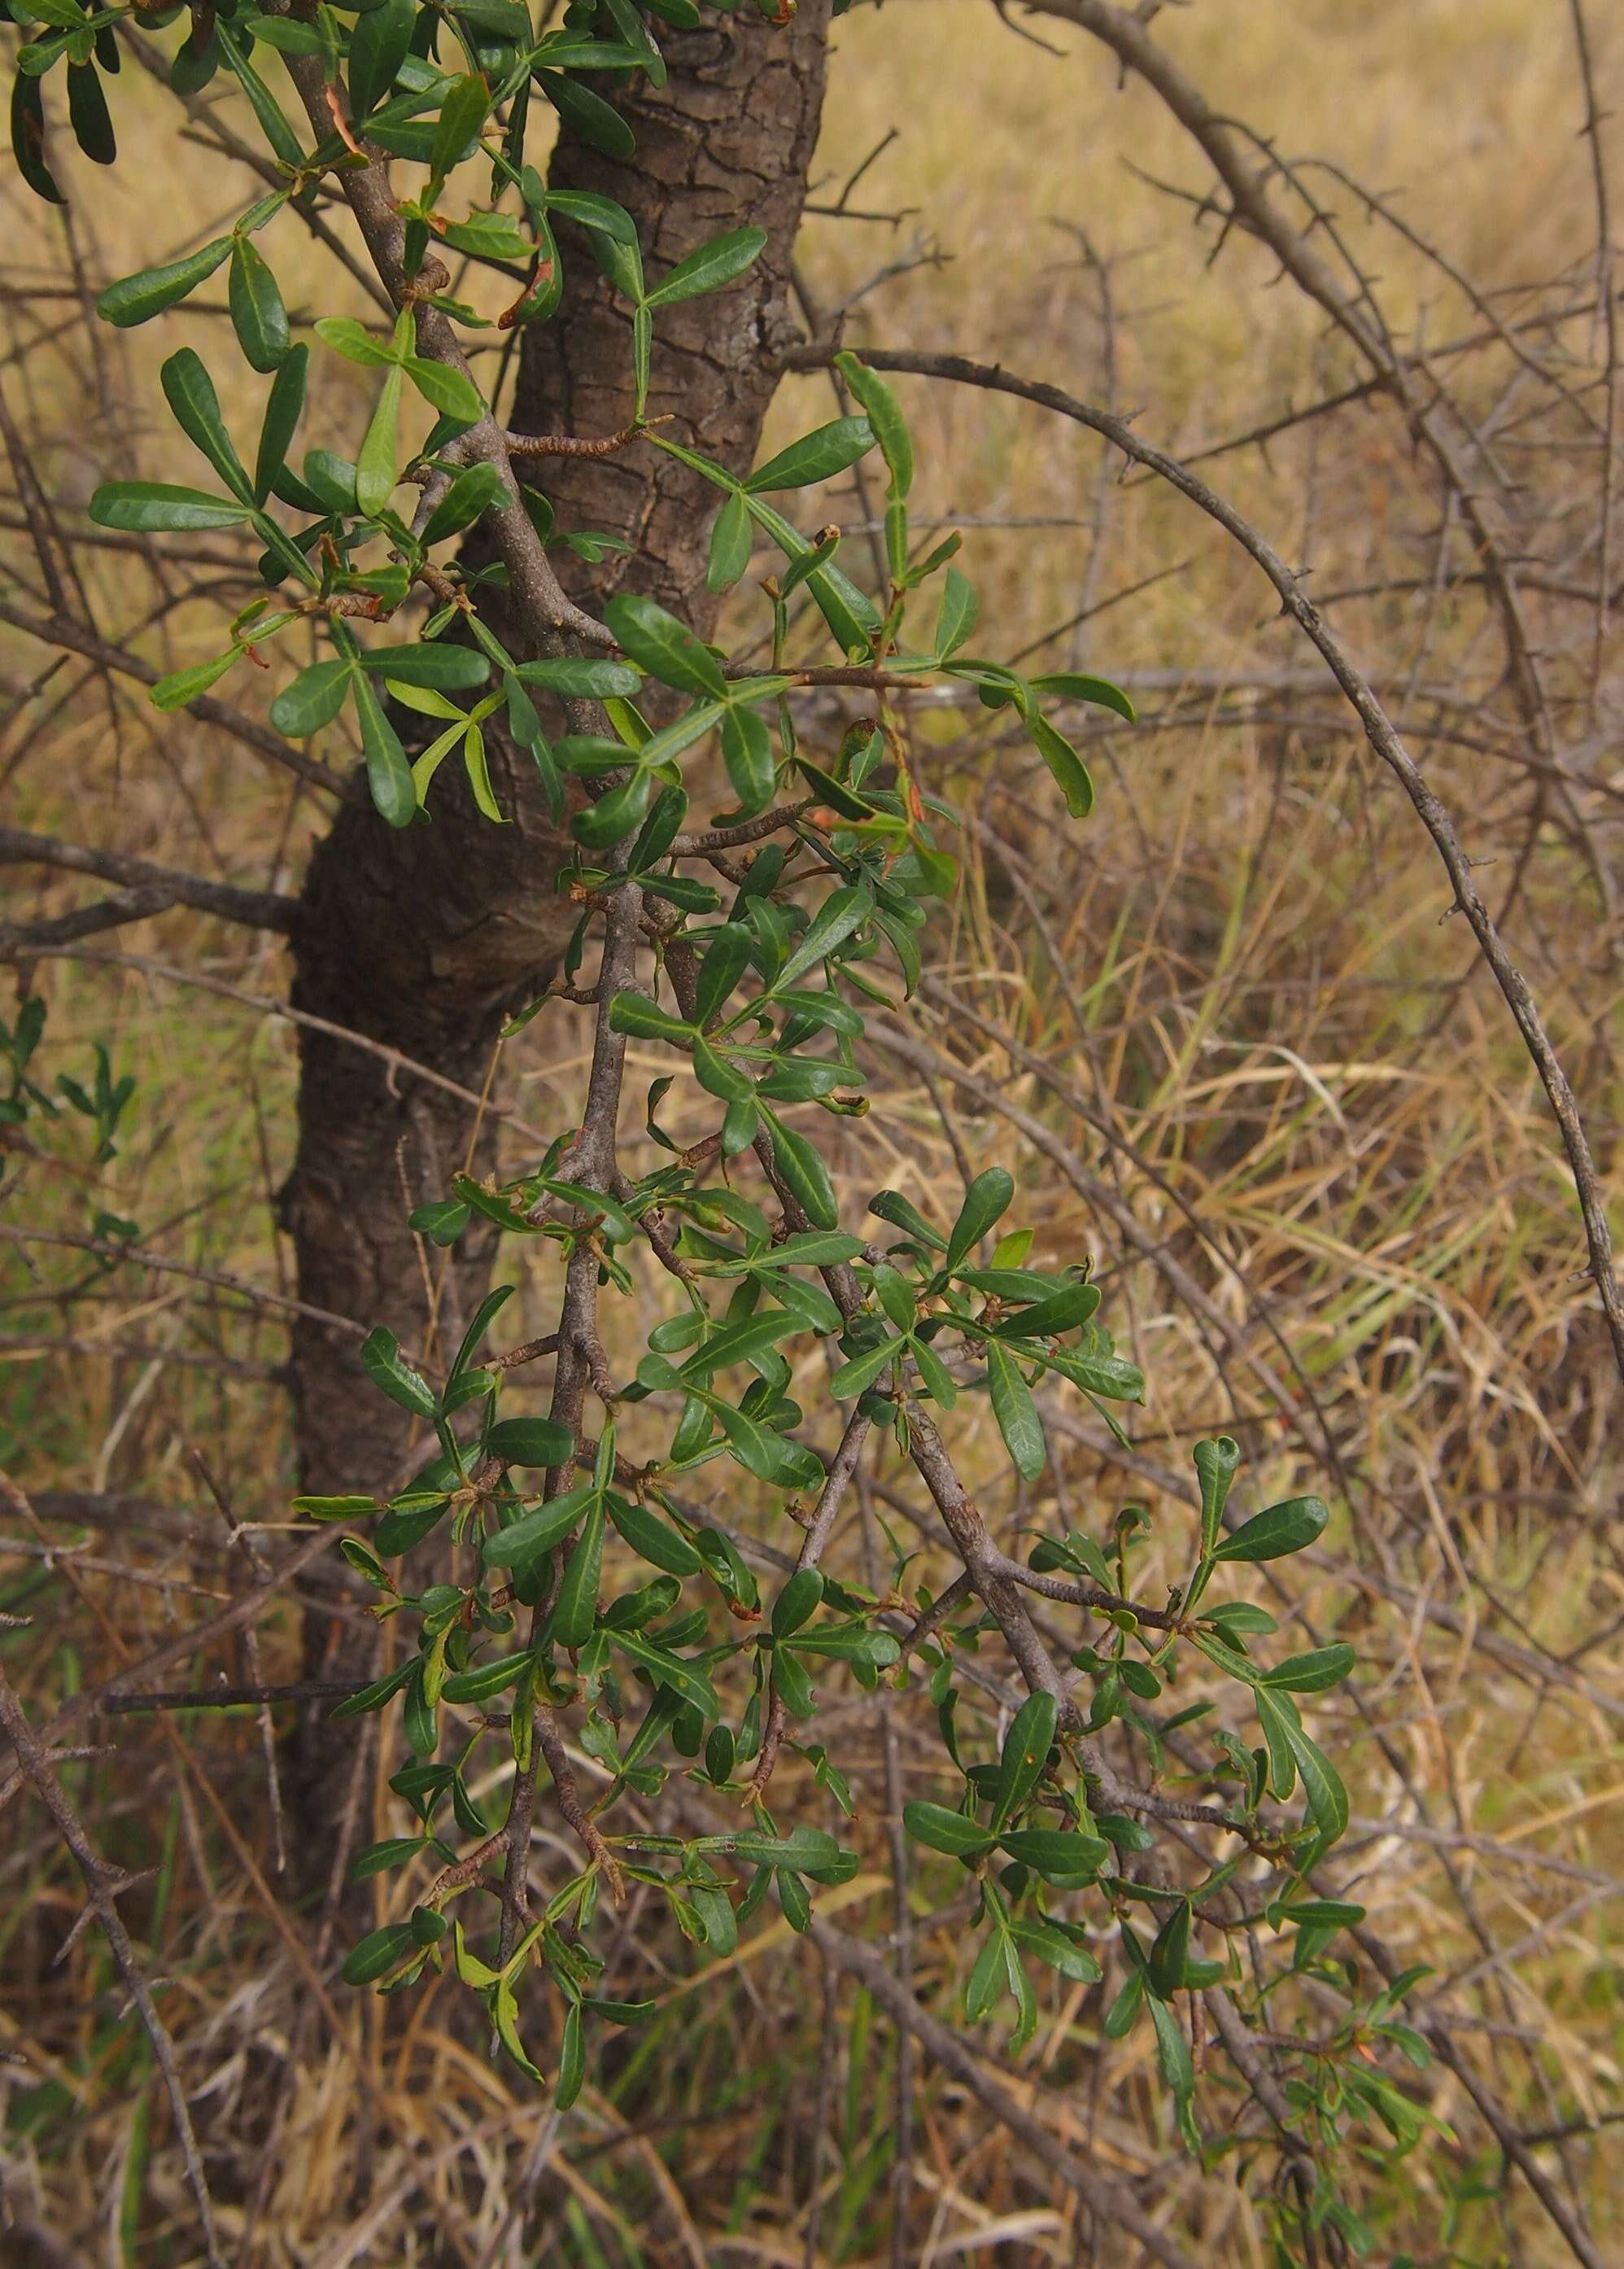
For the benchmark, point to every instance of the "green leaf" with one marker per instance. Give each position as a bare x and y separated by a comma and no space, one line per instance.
530,1442
717,1075
388,775
447,669
1313,1673
708,269
933,1824
1060,1854
572,2060
189,391
670,1670
1119,2018
1015,1412
1215,1463
747,751
798,1601
587,116
883,412
283,407
614,815
1322,1785
1169,1957
183,685
588,677
730,545
803,1174
377,1952
313,699
841,913
1323,1914
1071,686
1025,1754
857,1376
652,1538
258,316
1050,1944
28,144
353,340
525,1539
633,1014
388,1368
379,45
394,1852
272,124
376,467
476,489
486,1679
577,1607
137,298
1280,1529
727,956
1062,1311
451,392
1066,765
1172,2051
986,1202
805,1848
461,115
1276,1719
817,456
658,643
87,113
147,508
960,611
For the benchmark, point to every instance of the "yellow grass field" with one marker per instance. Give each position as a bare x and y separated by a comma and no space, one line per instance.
1227,1035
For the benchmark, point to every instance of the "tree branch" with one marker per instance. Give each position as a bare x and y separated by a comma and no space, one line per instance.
1379,730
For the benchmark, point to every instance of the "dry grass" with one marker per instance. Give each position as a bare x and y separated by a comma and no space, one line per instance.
1235,1016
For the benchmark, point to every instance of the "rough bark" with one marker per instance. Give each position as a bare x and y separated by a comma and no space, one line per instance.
427,939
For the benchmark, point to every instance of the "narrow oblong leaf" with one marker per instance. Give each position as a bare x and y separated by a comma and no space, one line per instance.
537,1531
883,412
730,545
817,456
445,667
804,1174
1073,686
747,751
377,466
835,920
986,1202
1015,1412
942,1830
1280,1529
707,269
388,1368
530,1442
1313,1673
652,1538
189,391
283,408
148,508
388,775
1070,773
258,316
577,1607
658,643
137,298
313,699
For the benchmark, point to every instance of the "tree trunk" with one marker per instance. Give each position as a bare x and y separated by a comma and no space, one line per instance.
426,941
